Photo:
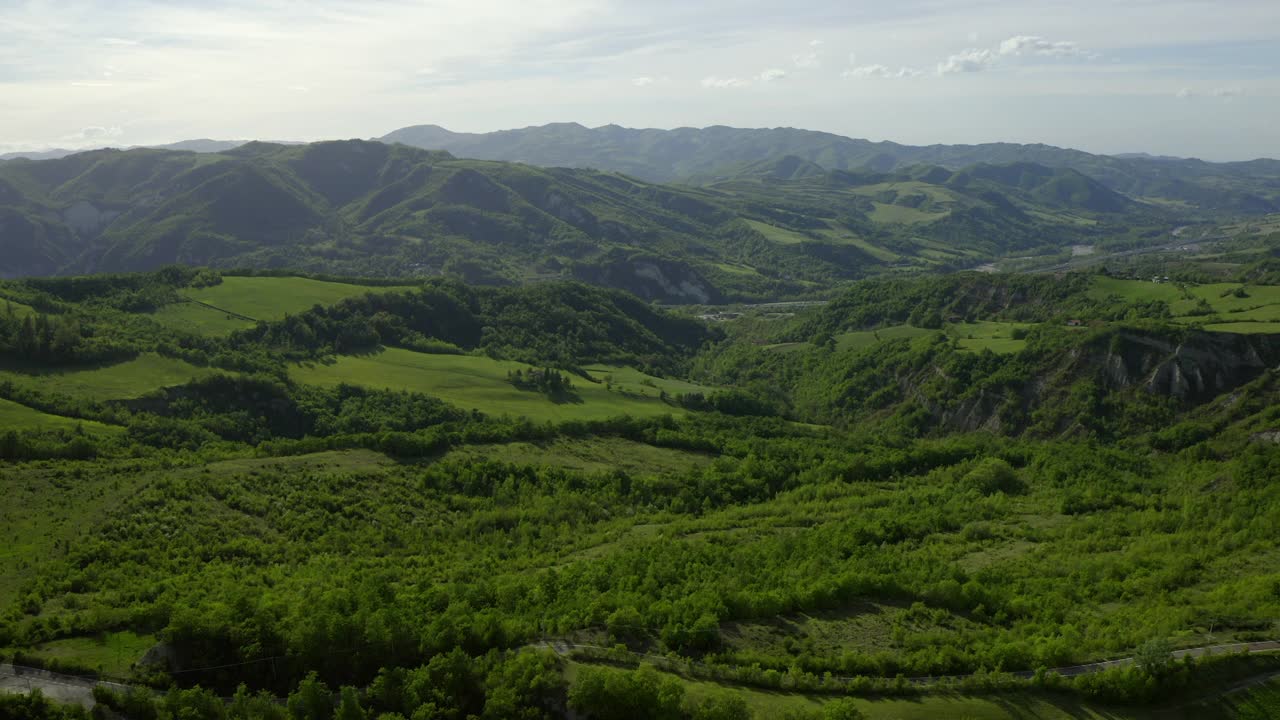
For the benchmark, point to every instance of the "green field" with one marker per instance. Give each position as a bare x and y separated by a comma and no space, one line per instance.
994,336
782,236
199,319
866,338
1261,303
480,383
122,381
259,298
1137,290
111,653
20,417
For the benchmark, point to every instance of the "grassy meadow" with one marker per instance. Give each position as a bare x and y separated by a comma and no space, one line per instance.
20,417
121,381
480,383
214,310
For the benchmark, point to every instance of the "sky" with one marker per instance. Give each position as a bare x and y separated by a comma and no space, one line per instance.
1173,77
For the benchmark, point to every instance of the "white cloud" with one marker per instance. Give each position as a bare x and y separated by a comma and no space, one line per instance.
1035,45
974,60
772,74
967,61
119,42
1227,92
1185,93
816,43
880,71
644,81
715,81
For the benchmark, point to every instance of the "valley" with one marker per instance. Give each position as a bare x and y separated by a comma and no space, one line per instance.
739,431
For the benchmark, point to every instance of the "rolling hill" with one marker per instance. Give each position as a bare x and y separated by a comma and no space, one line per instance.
784,227
708,154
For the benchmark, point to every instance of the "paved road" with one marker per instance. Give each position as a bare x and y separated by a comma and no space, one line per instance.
562,647
67,689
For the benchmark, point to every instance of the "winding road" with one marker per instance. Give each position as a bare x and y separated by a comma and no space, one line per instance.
74,689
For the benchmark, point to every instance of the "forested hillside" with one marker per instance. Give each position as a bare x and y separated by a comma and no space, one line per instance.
686,154
509,502
376,210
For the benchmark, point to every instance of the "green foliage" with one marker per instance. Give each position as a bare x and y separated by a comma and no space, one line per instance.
644,694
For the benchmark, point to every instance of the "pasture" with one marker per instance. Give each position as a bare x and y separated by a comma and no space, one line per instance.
121,381
480,383
271,298
20,417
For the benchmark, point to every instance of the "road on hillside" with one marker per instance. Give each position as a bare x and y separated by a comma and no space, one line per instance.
73,689
563,647
66,689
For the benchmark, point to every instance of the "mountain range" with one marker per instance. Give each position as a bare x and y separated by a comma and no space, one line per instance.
699,156
782,227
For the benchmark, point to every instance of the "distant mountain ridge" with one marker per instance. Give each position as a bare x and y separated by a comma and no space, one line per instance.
706,155
201,145
780,228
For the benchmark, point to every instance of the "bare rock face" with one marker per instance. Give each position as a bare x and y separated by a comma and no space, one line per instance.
1190,366
1205,365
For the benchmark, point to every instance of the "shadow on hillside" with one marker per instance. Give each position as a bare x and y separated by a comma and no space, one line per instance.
1030,707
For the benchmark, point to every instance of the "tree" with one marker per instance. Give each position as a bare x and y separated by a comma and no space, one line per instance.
721,706
311,701
1154,657
349,705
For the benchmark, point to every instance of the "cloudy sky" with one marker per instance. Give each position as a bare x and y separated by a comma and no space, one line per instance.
1180,77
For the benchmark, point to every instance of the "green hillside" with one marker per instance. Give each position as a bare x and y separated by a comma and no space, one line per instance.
237,302
482,384
713,153
785,227
512,501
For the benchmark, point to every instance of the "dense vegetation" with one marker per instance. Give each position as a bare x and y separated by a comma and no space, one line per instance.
855,495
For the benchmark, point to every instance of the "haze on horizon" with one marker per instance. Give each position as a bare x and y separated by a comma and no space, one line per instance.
1179,77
